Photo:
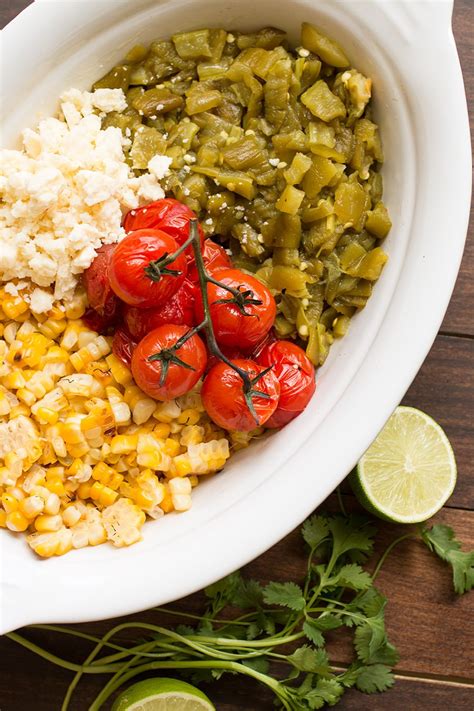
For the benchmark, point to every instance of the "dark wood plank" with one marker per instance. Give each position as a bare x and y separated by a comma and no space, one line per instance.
444,388
460,315
10,9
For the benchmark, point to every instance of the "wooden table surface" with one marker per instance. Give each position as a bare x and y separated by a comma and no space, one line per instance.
432,629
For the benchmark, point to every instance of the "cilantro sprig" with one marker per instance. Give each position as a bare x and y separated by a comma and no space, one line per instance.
275,632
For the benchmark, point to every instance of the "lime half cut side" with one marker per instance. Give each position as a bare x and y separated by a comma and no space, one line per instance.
162,694
409,472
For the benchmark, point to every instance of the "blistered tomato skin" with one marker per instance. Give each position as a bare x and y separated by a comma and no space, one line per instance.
223,396
134,271
100,294
215,257
168,215
179,379
239,327
296,376
179,310
123,345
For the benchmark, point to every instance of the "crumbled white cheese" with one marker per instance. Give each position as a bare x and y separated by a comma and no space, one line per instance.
274,161
41,301
303,52
65,194
159,166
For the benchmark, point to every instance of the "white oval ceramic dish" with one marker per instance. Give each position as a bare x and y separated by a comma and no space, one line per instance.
269,489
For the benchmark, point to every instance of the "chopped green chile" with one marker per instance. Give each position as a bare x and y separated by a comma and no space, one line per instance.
278,153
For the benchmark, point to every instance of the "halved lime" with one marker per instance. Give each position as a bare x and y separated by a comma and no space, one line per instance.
162,694
409,472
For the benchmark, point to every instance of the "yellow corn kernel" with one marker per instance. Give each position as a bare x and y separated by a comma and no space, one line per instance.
71,515
151,454
53,400
84,490
14,380
71,430
162,431
52,504
119,370
5,476
46,522
31,506
149,486
78,450
131,459
10,330
17,522
181,465
96,349
5,406
52,328
9,502
14,307
122,522
26,396
18,410
180,490
194,480
76,306
104,495
56,486
52,543
167,502
101,372
56,354
191,434
171,447
3,518
123,444
120,409
189,417
45,416
167,411
48,455
106,475
34,348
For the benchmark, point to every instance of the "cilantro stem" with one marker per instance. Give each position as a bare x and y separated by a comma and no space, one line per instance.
387,552
341,502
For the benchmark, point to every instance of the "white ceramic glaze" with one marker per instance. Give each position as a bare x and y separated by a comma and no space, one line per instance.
267,490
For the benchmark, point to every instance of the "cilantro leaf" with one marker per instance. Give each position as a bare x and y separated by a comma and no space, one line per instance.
352,576
284,594
307,659
313,633
247,594
375,677
259,664
326,622
369,638
326,691
440,539
371,602
315,530
351,533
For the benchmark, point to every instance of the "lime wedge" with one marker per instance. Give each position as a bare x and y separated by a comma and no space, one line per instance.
409,472
162,695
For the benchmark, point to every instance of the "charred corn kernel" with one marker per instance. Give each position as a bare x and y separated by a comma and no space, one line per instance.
171,447
167,411
124,444
189,417
120,409
14,380
122,522
9,503
14,307
104,495
119,370
3,518
31,506
53,543
181,465
71,515
45,523
162,431
193,434
52,328
101,372
17,522
52,504
84,490
76,306
96,349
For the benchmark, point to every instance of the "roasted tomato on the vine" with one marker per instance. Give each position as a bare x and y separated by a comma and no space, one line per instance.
139,273
224,398
215,257
123,345
168,215
100,295
295,373
164,371
179,310
243,318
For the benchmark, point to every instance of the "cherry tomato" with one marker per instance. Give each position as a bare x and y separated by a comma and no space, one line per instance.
168,215
223,396
242,324
134,271
215,257
178,310
123,346
177,371
295,373
96,282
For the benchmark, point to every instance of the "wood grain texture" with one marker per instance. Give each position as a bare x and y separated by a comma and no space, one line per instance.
432,629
